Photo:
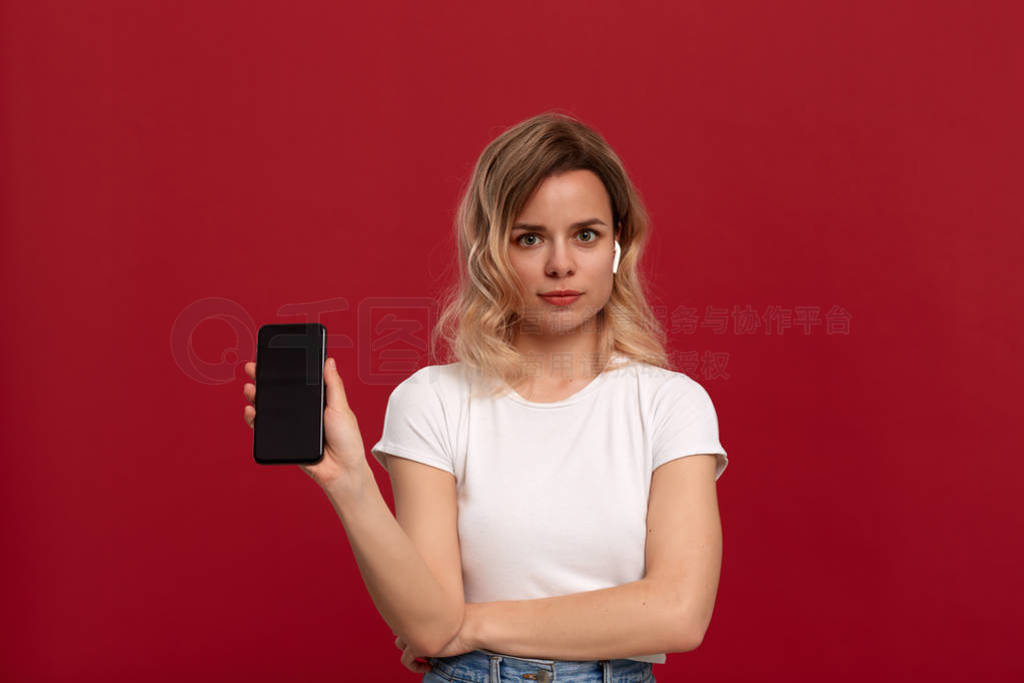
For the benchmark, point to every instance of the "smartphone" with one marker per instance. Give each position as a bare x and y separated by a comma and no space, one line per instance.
290,397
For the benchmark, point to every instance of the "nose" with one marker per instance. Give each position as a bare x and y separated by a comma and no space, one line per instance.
560,262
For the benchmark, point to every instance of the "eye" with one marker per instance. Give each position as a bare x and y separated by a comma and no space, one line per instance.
519,240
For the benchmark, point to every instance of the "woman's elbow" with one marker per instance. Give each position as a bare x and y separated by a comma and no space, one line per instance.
447,632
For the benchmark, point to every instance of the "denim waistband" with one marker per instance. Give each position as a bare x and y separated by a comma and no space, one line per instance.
487,666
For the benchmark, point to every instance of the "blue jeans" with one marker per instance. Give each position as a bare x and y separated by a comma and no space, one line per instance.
485,666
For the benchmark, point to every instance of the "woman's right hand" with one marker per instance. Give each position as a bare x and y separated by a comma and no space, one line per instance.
344,460
410,660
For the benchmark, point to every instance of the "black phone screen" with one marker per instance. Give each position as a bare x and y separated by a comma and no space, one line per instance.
290,397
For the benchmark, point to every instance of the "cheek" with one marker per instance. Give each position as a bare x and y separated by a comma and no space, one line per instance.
605,293
525,284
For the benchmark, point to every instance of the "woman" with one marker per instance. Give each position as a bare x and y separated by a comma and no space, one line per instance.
547,524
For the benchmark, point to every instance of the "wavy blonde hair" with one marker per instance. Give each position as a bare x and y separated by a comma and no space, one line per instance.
481,311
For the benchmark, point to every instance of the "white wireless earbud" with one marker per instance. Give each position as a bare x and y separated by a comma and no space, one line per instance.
618,252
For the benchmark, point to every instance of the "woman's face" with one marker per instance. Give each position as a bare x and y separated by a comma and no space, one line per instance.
563,239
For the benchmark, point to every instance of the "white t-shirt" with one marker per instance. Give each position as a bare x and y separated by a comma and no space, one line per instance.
552,497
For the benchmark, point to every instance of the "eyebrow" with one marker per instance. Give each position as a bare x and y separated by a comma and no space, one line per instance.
577,224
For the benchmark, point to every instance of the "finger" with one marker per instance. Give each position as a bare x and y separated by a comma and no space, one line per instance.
249,414
250,369
335,387
249,391
409,662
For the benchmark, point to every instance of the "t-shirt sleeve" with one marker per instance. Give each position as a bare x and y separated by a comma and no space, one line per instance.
414,427
685,423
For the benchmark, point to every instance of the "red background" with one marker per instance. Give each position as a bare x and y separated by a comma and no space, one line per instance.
174,174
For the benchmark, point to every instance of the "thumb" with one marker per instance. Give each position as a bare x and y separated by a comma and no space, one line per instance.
335,388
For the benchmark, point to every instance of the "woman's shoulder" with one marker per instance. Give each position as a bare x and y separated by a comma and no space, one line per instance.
655,377
434,373
443,379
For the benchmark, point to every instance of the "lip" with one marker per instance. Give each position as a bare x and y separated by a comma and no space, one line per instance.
560,300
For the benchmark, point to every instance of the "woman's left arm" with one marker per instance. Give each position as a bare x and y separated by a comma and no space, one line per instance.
666,611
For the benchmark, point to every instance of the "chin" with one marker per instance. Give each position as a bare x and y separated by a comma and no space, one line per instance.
564,322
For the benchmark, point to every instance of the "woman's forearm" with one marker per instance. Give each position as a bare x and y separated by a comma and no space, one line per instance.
402,587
